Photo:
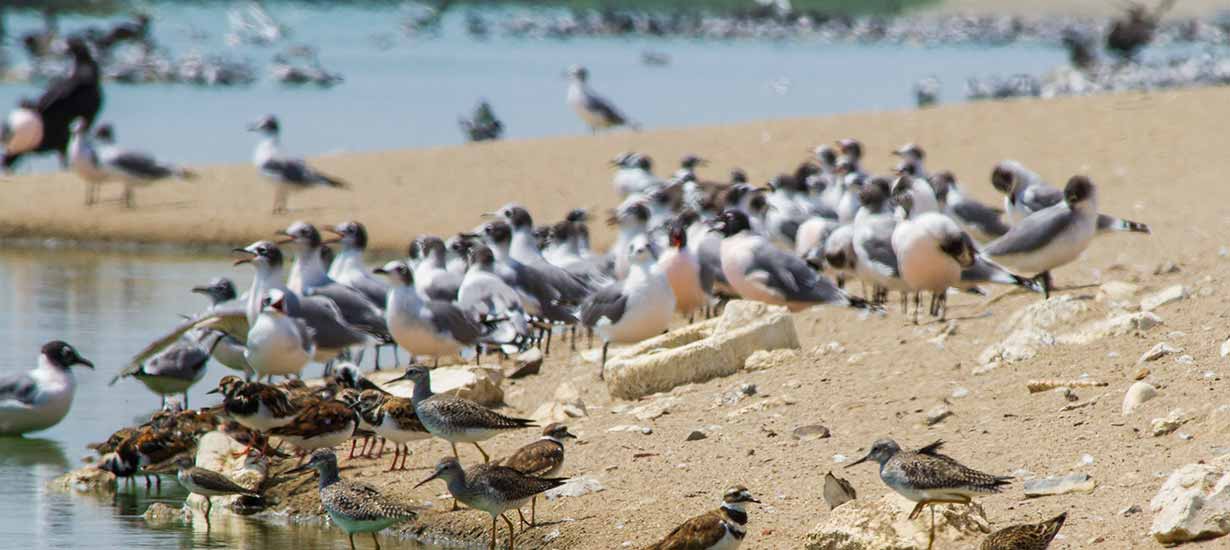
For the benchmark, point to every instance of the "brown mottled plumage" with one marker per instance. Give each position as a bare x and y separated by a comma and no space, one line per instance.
722,528
1033,536
323,425
542,458
255,405
394,419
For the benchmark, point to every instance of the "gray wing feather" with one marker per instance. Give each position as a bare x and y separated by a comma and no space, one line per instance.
138,165
880,251
19,387
792,277
603,107
1039,196
1034,232
372,289
608,302
358,311
231,320
449,318
444,286
331,329
981,216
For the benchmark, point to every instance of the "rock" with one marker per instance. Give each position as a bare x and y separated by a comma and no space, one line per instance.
1030,329
625,428
1168,295
739,393
881,524
810,432
837,491
576,487
565,405
89,479
526,364
1073,483
959,392
767,359
1164,426
161,513
696,435
701,351
1141,374
937,414
476,383
1116,291
654,409
1118,325
1166,268
1131,510
1137,394
1193,503
1185,360
1225,348
646,430
1158,351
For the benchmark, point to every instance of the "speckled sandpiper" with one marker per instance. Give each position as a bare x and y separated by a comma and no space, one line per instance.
721,529
928,478
455,419
492,489
354,506
207,483
542,458
1031,536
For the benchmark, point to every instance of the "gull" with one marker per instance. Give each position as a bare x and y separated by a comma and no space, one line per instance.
431,276
178,368
912,157
596,112
982,222
690,280
1051,237
852,152
1025,193
524,248
278,344
922,196
639,307
40,399
485,296
568,251
348,266
131,167
83,160
788,208
721,529
633,174
631,221
539,298
875,261
759,271
290,174
228,350
458,255
839,255
424,326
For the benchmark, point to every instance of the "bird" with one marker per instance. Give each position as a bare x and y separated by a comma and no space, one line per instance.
931,253
354,506
42,126
982,222
39,399
278,344
927,477
432,278
523,247
348,267
177,368
721,529
149,450
83,160
207,483
254,405
394,419
456,419
1051,237
424,326
691,281
1030,536
491,488
483,125
634,174
638,307
131,167
759,271
483,295
324,424
542,458
288,173
229,349
1025,193
594,110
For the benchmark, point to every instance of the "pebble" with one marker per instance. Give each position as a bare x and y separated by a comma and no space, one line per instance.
696,435
576,487
792,384
1137,394
1225,348
839,458
1142,373
1184,436
1130,510
1186,360
739,393
959,392
810,432
937,414
1163,297
526,364
1086,459
1167,425
855,358
1158,351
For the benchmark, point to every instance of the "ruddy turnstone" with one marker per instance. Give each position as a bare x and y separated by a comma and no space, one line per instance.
394,419
354,506
1032,536
258,406
324,425
928,478
147,451
542,458
721,529
455,419
40,399
492,489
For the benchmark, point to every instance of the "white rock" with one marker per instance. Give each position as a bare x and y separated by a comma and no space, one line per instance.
1030,329
1116,291
1163,297
1225,348
575,487
1193,503
937,414
1158,351
767,359
1118,325
1185,360
1172,422
1137,394
881,524
565,404
959,392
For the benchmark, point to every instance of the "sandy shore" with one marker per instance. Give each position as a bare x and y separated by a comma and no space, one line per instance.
1185,8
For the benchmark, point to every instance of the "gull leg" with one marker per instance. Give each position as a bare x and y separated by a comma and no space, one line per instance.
602,367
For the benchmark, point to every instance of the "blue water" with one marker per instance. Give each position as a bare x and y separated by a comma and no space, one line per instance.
411,93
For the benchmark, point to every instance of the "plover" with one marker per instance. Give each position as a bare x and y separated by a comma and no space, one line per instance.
721,529
982,222
322,425
131,167
542,458
40,399
354,506
691,281
1031,536
639,307
258,406
394,418
594,110
278,344
928,478
424,327
455,419
1025,192
492,489
289,174
207,483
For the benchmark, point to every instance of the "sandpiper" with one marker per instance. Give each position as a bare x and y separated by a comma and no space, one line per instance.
492,489
542,458
455,419
354,506
928,478
258,406
207,483
323,425
394,419
721,529
1031,536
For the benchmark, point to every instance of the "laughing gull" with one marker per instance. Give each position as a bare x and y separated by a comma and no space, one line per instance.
690,280
573,287
431,276
875,260
638,307
348,267
79,95
278,344
424,326
812,234
178,368
912,157
539,298
852,153
632,221
131,167
931,252
922,196
596,112
633,174
979,220
486,297
788,208
1025,192
849,184
759,271
457,256
290,174
839,256
1051,237
228,349
40,399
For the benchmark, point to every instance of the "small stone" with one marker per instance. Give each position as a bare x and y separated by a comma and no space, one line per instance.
839,458
1167,425
1086,459
837,491
1067,393
959,392
937,414
767,359
161,513
1130,510
1158,351
1166,268
1096,540
855,358
1137,394
551,536
1163,297
575,487
1185,360
1223,252
810,432
1112,355
526,364
1184,436
1116,291
1141,374
739,393
1074,483
792,384
696,435
646,430
1225,348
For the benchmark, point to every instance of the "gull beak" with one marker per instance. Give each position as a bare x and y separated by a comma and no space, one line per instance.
333,230
84,362
286,236
469,236
200,290
431,477
859,461
250,256
488,215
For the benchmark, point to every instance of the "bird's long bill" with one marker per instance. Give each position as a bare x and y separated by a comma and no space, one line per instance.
286,238
380,271
84,362
244,260
488,215
429,478
859,461
213,391
200,289
405,376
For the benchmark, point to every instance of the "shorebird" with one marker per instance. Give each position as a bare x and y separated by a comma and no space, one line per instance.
1025,192
393,418
542,458
596,112
1051,237
39,399
207,483
254,405
424,326
321,425
759,271
640,306
290,174
455,419
691,281
492,489
1031,536
278,344
178,368
721,529
131,167
982,222
354,506
928,478
149,450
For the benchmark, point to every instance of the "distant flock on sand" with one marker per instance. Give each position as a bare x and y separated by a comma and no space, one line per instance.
685,244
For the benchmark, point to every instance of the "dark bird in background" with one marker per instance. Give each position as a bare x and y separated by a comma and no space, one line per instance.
77,95
482,125
1135,29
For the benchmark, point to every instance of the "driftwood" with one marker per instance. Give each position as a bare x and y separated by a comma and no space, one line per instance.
1036,386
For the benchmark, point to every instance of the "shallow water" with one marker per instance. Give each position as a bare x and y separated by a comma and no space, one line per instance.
108,305
403,91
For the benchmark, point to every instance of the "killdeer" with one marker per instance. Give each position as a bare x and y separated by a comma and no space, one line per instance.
542,458
354,506
721,529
